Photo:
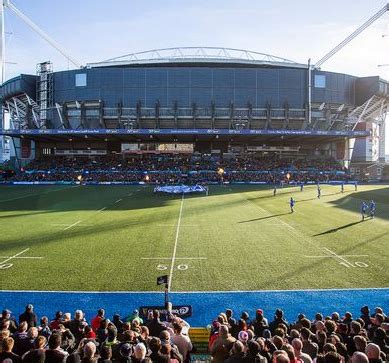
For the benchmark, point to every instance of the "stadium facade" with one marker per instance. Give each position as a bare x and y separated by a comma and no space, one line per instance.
212,98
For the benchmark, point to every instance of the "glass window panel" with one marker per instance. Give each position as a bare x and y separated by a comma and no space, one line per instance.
179,77
201,77
156,77
80,79
223,78
245,78
201,96
181,95
320,81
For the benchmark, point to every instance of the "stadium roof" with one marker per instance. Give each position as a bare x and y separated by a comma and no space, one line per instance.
197,55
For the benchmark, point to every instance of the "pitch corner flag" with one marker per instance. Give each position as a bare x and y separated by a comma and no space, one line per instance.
162,279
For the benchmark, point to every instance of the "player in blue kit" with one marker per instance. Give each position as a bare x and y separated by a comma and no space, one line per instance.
363,209
372,208
291,204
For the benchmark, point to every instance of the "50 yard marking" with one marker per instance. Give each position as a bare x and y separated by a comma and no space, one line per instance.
342,259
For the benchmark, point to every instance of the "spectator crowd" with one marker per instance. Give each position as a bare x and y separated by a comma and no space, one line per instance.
182,168
329,339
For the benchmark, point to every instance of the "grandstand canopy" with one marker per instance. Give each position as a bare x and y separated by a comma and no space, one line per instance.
198,55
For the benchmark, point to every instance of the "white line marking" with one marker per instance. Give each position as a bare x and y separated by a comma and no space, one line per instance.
22,257
326,256
301,236
119,200
339,257
72,225
177,258
14,256
175,245
174,225
196,292
67,224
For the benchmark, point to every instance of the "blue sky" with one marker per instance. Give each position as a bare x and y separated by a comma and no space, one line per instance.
94,30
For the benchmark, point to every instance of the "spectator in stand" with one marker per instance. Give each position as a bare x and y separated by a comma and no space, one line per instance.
231,321
156,355
222,345
54,324
366,316
135,316
6,316
55,354
44,328
280,356
259,324
253,354
21,339
381,340
118,323
297,347
29,316
6,354
182,342
278,319
90,353
237,353
355,329
144,336
359,357
360,343
105,354
66,319
128,338
155,326
95,323
373,352
68,341
77,325
37,354
89,333
140,352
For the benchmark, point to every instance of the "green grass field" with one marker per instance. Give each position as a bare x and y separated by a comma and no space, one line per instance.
112,238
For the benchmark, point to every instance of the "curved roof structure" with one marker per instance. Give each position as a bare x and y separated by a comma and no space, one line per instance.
197,55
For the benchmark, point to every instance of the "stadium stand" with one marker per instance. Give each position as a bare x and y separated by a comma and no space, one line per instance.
175,168
323,339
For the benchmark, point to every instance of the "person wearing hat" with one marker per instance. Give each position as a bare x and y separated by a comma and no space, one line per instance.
259,324
6,315
29,316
